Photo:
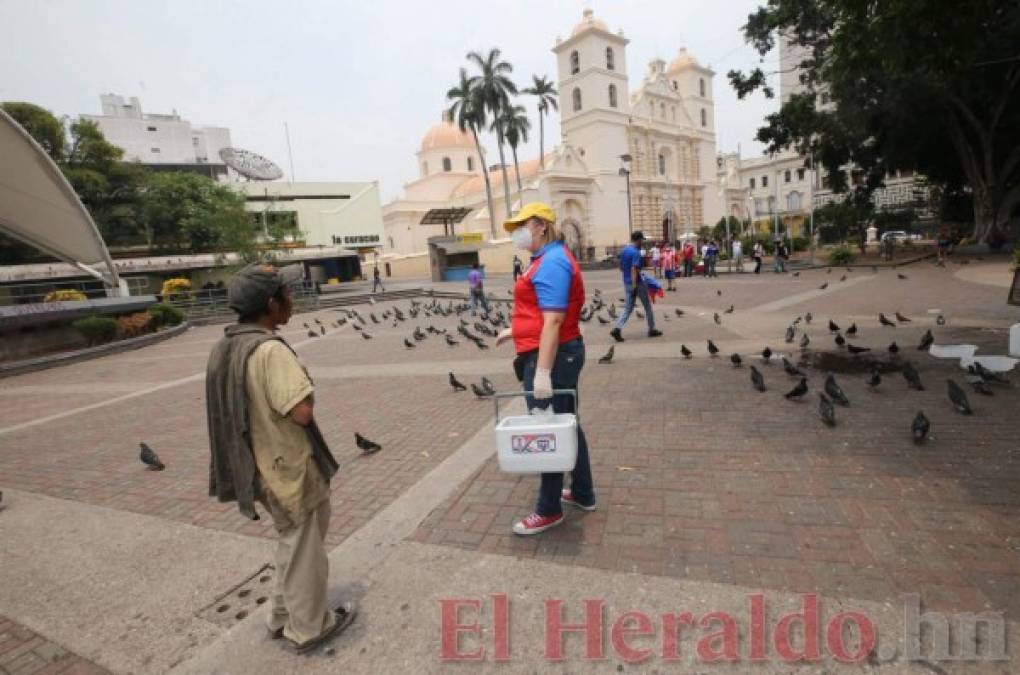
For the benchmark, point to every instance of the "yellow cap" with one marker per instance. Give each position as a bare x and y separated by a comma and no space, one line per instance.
532,210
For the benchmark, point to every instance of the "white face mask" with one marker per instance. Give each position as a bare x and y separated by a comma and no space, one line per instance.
521,237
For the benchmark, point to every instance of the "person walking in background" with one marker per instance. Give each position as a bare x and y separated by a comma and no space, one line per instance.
550,351
669,266
656,261
377,280
688,254
759,253
634,287
738,255
266,447
780,255
710,258
518,268
476,289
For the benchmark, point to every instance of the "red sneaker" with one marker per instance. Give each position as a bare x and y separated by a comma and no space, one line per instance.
535,523
567,497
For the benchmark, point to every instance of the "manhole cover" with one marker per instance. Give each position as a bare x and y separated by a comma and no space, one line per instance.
237,603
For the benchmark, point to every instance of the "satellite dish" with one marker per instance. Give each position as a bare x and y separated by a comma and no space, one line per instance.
250,165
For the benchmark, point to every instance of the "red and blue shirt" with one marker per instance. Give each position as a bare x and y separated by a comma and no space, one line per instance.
552,283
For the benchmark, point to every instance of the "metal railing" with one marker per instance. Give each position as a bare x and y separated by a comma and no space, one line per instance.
36,292
212,302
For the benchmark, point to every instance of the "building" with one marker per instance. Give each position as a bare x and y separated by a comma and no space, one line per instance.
161,142
657,142
756,187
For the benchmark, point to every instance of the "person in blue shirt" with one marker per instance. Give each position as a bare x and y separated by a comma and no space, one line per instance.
630,266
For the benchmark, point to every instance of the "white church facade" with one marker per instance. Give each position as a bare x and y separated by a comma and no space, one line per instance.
660,138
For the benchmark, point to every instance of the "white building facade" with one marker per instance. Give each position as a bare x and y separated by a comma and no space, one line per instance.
662,133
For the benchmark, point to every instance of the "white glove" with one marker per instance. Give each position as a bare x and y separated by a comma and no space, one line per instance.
503,336
543,384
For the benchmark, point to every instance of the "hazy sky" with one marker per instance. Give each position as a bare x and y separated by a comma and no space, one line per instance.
358,81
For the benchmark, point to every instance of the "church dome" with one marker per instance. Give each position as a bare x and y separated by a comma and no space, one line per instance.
682,60
589,21
446,134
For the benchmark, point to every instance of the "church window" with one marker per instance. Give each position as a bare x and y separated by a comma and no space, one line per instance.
577,99
471,163
800,174
610,60
662,164
704,118
676,86
701,87
612,96
793,202
447,164
764,181
752,183
575,63
786,176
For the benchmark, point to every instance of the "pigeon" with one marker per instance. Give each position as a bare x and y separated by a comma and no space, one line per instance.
312,334
365,334
149,458
457,386
804,341
355,326
852,330
612,311
912,377
480,393
487,386
791,369
757,381
736,360
920,428
828,271
808,317
306,325
853,349
833,328
875,380
823,286
718,292
317,321
981,387
712,349
716,318
797,391
940,321
602,320
451,342
790,333
608,357
481,344
884,321
901,318
988,376
367,447
729,311
901,276
835,391
927,340
796,274
894,349
371,301
843,278
840,341
408,344
679,312
373,317
959,398
766,354
322,329
826,410
685,351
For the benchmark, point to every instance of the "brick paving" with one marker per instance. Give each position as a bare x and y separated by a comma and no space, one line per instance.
23,652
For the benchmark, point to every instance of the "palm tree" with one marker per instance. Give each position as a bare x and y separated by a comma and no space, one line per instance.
544,90
494,90
516,126
467,112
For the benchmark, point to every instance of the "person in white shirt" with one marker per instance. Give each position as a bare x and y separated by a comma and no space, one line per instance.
657,261
738,255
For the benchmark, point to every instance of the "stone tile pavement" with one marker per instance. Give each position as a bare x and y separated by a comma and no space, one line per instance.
23,652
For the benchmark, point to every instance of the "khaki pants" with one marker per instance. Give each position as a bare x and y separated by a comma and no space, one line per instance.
302,572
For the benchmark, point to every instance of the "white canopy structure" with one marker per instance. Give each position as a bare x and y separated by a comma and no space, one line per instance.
39,207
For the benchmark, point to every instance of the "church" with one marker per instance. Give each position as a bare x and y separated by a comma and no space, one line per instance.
642,159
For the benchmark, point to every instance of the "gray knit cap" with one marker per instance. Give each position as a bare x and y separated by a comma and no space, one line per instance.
250,289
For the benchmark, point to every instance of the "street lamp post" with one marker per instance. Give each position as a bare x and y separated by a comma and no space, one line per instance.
625,171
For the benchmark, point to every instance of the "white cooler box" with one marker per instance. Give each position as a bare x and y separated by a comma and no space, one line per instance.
542,443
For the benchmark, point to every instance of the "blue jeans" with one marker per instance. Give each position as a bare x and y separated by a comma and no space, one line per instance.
633,292
566,371
478,297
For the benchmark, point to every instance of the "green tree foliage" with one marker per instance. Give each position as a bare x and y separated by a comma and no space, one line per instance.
544,90
186,210
41,125
494,88
467,110
931,86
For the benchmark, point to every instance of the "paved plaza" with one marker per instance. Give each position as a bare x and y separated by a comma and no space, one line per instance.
708,491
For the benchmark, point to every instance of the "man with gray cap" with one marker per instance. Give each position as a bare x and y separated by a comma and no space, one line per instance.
267,448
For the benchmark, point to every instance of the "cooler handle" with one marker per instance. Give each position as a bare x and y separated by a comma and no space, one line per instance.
518,394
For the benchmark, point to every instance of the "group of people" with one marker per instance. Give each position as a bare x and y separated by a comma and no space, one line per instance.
669,262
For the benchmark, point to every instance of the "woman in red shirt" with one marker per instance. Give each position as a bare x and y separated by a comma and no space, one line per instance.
548,299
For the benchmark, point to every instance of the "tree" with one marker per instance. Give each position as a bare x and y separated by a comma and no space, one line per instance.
468,112
545,92
930,86
494,91
190,211
516,126
41,125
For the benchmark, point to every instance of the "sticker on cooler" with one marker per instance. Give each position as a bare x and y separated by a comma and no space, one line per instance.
529,443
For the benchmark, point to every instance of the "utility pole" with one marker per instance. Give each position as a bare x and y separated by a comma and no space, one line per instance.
811,197
625,171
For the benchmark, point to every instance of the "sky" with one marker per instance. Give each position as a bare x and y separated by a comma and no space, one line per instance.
358,82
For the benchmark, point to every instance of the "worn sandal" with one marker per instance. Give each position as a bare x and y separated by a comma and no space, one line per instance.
344,618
